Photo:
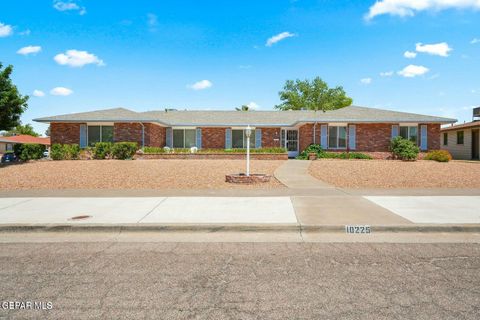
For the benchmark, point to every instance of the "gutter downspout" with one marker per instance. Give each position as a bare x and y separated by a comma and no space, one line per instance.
143,135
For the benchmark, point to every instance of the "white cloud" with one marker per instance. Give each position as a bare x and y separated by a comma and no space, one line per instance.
69,6
475,41
29,50
253,106
201,85
5,30
76,58
408,8
279,37
38,93
25,33
412,70
152,21
386,74
61,91
437,49
366,80
409,54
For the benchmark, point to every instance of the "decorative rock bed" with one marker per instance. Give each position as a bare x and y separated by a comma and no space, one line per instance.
243,178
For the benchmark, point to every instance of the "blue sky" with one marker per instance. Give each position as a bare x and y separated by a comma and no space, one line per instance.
147,55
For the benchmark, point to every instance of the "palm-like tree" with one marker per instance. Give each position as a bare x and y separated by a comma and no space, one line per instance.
243,108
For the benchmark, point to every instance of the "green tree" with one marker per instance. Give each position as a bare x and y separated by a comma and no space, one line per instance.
12,103
312,95
244,107
26,129
47,132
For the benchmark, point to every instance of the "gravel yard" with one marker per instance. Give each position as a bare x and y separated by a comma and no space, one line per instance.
397,174
137,174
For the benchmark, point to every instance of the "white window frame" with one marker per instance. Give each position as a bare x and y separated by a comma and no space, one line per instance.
337,126
101,125
184,135
409,126
244,141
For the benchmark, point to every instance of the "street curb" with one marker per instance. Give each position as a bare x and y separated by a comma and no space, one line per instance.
117,228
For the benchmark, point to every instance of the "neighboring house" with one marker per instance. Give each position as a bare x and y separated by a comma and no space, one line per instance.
462,140
6,143
351,128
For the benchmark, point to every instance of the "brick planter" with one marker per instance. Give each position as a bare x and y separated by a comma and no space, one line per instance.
242,178
227,156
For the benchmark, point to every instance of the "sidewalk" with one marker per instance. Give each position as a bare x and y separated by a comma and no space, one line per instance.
307,204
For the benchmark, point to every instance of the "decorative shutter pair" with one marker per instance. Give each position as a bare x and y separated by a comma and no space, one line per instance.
228,138
423,135
352,143
169,138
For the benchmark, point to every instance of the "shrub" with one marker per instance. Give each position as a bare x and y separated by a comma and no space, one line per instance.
57,152
71,151
312,148
102,150
404,149
318,150
124,150
29,151
439,155
209,151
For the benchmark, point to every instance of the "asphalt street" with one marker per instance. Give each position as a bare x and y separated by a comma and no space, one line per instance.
146,280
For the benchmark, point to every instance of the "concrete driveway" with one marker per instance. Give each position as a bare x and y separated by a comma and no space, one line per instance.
432,209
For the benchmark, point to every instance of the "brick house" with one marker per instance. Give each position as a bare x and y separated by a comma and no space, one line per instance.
348,129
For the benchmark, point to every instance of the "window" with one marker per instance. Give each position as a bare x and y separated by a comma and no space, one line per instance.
445,138
459,137
239,139
409,133
9,147
184,138
99,134
337,137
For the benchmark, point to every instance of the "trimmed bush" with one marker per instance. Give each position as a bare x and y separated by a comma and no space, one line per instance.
29,151
404,149
344,155
72,151
312,148
57,152
321,154
148,150
64,151
124,150
439,155
102,150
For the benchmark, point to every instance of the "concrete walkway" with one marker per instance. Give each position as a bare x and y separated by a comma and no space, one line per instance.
158,210
294,174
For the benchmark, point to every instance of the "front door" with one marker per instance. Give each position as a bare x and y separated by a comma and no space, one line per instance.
290,141
475,145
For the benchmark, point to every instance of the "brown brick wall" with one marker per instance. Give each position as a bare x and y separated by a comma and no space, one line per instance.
155,135
128,132
65,133
213,138
433,136
270,137
373,137
305,136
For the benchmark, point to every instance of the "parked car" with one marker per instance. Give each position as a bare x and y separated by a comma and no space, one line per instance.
9,157
46,154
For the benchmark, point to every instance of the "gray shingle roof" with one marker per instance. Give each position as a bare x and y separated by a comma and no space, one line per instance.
351,114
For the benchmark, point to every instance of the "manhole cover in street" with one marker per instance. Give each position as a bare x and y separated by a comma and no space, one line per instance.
83,217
